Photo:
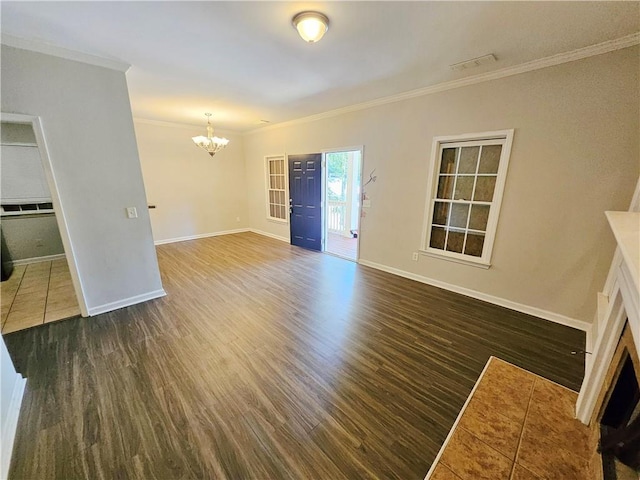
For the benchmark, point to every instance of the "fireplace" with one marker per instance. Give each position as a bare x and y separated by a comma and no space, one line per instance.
610,394
618,414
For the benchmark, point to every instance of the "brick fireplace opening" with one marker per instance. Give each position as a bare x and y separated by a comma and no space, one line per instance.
617,414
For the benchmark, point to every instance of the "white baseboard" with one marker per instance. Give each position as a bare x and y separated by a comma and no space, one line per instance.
11,424
46,258
270,235
503,302
201,235
126,302
224,232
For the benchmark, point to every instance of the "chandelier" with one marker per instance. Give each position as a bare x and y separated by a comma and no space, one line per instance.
210,143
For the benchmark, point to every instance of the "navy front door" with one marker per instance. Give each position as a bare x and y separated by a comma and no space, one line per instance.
305,191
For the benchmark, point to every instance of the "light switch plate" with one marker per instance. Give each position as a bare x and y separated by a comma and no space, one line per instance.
132,212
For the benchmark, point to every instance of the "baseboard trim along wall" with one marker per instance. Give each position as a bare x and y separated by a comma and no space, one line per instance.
126,302
223,232
200,235
11,424
46,258
503,302
270,235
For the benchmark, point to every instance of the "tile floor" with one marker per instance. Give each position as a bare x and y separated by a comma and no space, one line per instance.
37,293
516,426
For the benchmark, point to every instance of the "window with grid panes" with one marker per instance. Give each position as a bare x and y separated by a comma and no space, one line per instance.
276,188
465,193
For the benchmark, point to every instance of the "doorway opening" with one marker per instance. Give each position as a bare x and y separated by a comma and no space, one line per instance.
342,193
39,276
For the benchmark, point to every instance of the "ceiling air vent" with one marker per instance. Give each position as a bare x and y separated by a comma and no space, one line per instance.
474,62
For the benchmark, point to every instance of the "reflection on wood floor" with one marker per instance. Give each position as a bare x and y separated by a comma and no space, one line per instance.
37,293
266,361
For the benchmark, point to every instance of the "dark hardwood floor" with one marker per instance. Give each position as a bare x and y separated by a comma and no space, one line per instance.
266,361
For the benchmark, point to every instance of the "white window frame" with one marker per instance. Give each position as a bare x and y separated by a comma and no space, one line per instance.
472,139
268,188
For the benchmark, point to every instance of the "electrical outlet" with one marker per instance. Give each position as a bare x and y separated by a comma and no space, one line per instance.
237,219
415,256
132,212
366,203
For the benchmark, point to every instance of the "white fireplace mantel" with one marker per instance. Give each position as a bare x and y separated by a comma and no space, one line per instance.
620,303
626,229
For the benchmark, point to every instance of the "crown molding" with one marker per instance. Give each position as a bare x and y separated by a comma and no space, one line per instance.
553,60
578,54
186,126
49,49
162,123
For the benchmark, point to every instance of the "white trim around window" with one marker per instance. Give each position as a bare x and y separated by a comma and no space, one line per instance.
466,182
276,188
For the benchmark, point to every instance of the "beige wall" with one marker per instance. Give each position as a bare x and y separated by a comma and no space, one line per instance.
87,123
194,194
32,236
575,154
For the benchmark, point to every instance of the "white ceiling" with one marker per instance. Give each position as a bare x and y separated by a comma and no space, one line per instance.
244,61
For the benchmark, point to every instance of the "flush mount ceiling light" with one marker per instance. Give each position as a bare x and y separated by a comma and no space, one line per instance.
210,143
311,25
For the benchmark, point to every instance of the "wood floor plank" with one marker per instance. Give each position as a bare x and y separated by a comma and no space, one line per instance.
266,361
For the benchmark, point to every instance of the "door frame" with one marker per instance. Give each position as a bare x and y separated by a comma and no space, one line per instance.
36,123
356,148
